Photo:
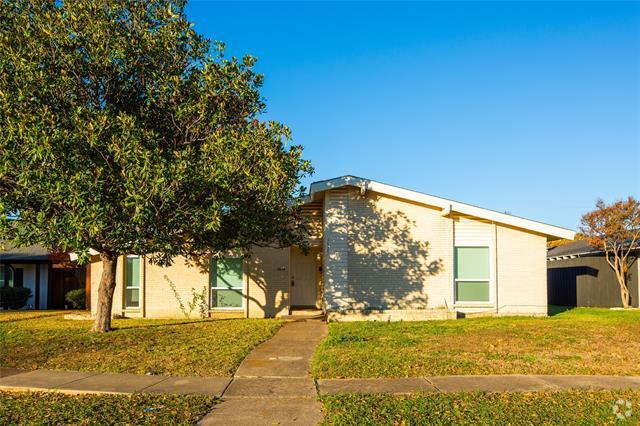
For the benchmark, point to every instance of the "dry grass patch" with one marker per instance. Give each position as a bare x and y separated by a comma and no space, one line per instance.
138,409
579,341
540,408
206,347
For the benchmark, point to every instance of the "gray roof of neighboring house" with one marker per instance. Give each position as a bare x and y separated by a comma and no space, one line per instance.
572,249
33,253
576,249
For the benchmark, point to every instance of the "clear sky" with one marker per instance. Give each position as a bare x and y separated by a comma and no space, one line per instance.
530,108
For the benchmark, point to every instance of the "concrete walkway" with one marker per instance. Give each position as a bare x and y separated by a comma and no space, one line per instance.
273,385
93,382
294,387
489,383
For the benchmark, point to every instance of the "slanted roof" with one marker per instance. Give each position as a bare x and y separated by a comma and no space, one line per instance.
550,231
14,254
573,249
578,249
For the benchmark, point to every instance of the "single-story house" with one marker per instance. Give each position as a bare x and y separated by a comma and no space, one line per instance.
48,276
376,252
579,275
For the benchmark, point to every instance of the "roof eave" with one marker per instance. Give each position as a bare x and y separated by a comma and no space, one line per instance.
550,231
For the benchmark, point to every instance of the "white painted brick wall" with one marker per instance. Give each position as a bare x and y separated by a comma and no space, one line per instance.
398,253
522,271
336,250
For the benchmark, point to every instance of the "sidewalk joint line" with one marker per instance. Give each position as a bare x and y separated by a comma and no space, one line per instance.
227,387
270,377
153,384
76,380
428,380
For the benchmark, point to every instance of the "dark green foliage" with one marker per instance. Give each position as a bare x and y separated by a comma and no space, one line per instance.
14,297
125,131
77,298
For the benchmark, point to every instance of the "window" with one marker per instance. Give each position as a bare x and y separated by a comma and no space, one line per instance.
132,282
472,274
225,277
6,276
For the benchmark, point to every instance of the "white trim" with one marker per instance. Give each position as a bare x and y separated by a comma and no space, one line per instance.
243,290
554,232
490,280
73,256
125,287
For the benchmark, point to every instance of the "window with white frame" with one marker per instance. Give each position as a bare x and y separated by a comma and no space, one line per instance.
132,282
225,277
472,274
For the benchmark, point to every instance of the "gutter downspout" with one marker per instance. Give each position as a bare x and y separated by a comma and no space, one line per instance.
495,262
246,282
143,285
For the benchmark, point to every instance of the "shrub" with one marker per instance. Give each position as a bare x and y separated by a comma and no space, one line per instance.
198,300
77,298
14,297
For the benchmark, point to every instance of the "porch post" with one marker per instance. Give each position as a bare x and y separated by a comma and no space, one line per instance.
87,286
37,284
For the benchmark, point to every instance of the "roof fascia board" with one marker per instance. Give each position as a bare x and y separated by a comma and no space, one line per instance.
443,204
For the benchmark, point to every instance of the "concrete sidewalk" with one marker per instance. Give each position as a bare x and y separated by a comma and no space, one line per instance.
95,382
273,385
489,383
287,354
295,387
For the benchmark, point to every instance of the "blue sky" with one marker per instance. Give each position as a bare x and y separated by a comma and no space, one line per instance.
530,108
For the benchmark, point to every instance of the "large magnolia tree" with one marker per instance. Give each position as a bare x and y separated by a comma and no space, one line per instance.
615,228
124,131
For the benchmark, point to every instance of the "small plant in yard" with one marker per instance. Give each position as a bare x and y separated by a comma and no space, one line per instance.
198,300
14,297
77,298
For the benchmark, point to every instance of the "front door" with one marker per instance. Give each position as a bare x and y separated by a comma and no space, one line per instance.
304,273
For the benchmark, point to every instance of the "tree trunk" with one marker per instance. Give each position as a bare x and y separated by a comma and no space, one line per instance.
624,290
107,286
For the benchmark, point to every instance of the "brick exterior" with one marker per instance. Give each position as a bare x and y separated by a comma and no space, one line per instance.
158,300
399,254
380,254
522,272
336,250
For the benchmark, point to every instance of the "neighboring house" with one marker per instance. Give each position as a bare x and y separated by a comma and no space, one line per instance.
579,275
49,277
377,252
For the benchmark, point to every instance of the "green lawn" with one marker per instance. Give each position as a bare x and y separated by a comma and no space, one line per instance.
551,408
56,408
578,341
207,347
